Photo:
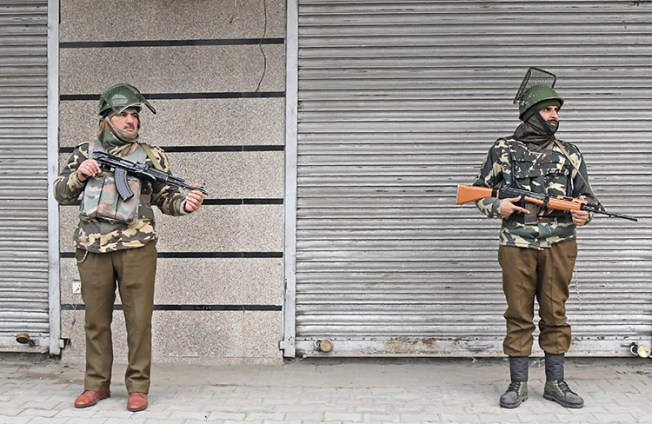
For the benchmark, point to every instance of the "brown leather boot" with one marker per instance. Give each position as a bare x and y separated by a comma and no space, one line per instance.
90,398
137,401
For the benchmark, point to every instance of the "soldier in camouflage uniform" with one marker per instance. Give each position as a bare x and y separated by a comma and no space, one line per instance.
116,243
537,245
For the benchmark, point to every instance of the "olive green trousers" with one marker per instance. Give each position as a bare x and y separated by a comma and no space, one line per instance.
544,275
132,272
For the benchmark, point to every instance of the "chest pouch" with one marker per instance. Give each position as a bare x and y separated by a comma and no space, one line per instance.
102,201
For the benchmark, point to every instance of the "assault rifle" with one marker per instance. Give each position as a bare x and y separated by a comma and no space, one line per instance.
122,167
466,193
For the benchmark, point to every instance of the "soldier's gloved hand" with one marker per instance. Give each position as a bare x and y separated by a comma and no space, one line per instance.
507,207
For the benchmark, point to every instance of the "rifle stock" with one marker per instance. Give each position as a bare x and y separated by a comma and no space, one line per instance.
467,193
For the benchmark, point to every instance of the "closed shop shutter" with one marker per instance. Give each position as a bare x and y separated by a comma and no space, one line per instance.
398,102
24,293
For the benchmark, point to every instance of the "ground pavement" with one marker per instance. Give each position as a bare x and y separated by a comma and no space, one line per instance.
41,390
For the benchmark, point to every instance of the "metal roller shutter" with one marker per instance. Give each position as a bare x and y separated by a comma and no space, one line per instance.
24,293
398,102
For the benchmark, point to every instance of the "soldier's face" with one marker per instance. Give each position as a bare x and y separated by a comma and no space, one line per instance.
550,114
126,121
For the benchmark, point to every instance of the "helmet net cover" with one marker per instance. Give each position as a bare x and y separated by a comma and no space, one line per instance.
534,77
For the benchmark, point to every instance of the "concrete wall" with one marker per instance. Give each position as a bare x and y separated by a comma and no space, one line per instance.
219,94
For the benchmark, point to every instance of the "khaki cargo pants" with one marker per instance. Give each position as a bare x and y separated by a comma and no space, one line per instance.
545,275
133,272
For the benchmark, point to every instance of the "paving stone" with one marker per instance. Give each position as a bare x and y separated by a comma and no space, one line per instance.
322,391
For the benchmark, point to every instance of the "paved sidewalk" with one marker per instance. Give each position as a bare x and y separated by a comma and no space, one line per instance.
37,390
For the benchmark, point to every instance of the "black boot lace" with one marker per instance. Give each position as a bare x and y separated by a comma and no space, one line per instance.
515,386
563,386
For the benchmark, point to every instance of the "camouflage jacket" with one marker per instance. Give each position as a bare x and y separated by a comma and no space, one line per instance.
550,172
101,236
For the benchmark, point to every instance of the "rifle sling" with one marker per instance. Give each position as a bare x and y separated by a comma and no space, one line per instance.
150,154
577,168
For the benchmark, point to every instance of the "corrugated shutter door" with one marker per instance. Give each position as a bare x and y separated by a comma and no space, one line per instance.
398,102
24,300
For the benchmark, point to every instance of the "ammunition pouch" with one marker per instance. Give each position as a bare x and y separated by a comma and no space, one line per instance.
102,201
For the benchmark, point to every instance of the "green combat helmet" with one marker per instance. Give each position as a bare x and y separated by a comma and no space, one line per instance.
537,95
536,88
121,96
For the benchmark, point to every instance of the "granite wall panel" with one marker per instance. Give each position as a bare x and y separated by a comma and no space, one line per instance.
215,72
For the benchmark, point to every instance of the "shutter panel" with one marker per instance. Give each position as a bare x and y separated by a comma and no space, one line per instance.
398,102
24,298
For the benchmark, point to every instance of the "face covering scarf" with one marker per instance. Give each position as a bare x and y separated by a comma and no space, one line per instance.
536,132
115,141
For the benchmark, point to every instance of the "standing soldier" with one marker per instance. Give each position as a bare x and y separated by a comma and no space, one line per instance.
116,243
537,245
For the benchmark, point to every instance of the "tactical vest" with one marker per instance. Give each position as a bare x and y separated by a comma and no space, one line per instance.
100,199
547,172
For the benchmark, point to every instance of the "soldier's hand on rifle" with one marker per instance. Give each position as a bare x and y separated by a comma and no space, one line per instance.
87,169
580,217
507,207
194,200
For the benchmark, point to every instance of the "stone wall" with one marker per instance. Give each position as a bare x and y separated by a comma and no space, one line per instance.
215,72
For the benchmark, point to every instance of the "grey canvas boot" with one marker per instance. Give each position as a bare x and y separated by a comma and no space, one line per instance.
517,391
556,388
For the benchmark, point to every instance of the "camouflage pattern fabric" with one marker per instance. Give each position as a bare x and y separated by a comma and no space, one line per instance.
100,198
101,236
550,172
